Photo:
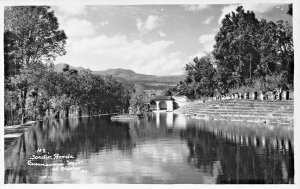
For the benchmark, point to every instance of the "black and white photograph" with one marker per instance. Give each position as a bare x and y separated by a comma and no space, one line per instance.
141,92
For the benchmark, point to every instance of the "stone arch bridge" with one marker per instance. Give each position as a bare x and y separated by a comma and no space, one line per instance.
163,103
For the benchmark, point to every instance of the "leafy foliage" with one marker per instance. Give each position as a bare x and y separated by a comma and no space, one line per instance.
201,80
248,54
247,49
31,34
139,100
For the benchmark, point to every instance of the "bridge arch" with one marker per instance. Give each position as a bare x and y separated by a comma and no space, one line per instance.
164,103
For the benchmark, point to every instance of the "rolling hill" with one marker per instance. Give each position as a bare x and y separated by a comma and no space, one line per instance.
148,82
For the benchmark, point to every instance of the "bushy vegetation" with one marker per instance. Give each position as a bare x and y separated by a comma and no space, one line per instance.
139,101
249,54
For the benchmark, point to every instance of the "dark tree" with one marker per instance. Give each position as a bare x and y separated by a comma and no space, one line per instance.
290,9
32,36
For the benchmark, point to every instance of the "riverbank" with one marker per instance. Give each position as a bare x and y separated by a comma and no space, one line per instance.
269,112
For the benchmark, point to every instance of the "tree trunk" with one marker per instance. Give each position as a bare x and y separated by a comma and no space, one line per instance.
89,111
67,112
23,105
6,117
36,105
79,112
56,114
48,112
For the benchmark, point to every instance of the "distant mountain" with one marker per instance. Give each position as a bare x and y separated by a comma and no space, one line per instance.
147,81
125,74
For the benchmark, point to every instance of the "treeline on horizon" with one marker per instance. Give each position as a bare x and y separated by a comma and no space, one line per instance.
33,89
249,55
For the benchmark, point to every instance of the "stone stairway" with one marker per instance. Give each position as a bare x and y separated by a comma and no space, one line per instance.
281,112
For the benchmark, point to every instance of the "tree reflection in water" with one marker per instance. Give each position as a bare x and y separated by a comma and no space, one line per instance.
203,151
68,136
240,160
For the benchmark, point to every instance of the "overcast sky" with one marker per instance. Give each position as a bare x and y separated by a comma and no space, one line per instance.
157,39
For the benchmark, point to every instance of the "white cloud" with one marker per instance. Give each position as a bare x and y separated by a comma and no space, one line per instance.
156,153
72,9
216,30
151,23
207,41
119,43
77,28
208,20
194,8
74,26
118,52
162,34
257,8
104,23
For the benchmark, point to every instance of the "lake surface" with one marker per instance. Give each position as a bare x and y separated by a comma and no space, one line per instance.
161,148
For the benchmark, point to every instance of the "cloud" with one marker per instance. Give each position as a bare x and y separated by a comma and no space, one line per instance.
156,153
104,23
74,26
207,41
119,43
151,23
194,8
216,30
208,20
118,52
162,34
72,9
77,27
257,8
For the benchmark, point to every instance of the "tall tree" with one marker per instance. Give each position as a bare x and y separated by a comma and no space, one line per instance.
25,84
35,33
247,49
32,36
236,46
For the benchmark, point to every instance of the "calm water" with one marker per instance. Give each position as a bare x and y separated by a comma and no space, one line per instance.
161,148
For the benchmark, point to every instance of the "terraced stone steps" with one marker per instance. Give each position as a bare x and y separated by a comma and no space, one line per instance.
243,110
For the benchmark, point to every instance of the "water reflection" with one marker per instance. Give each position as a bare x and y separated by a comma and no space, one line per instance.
161,148
157,116
180,122
170,118
241,158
